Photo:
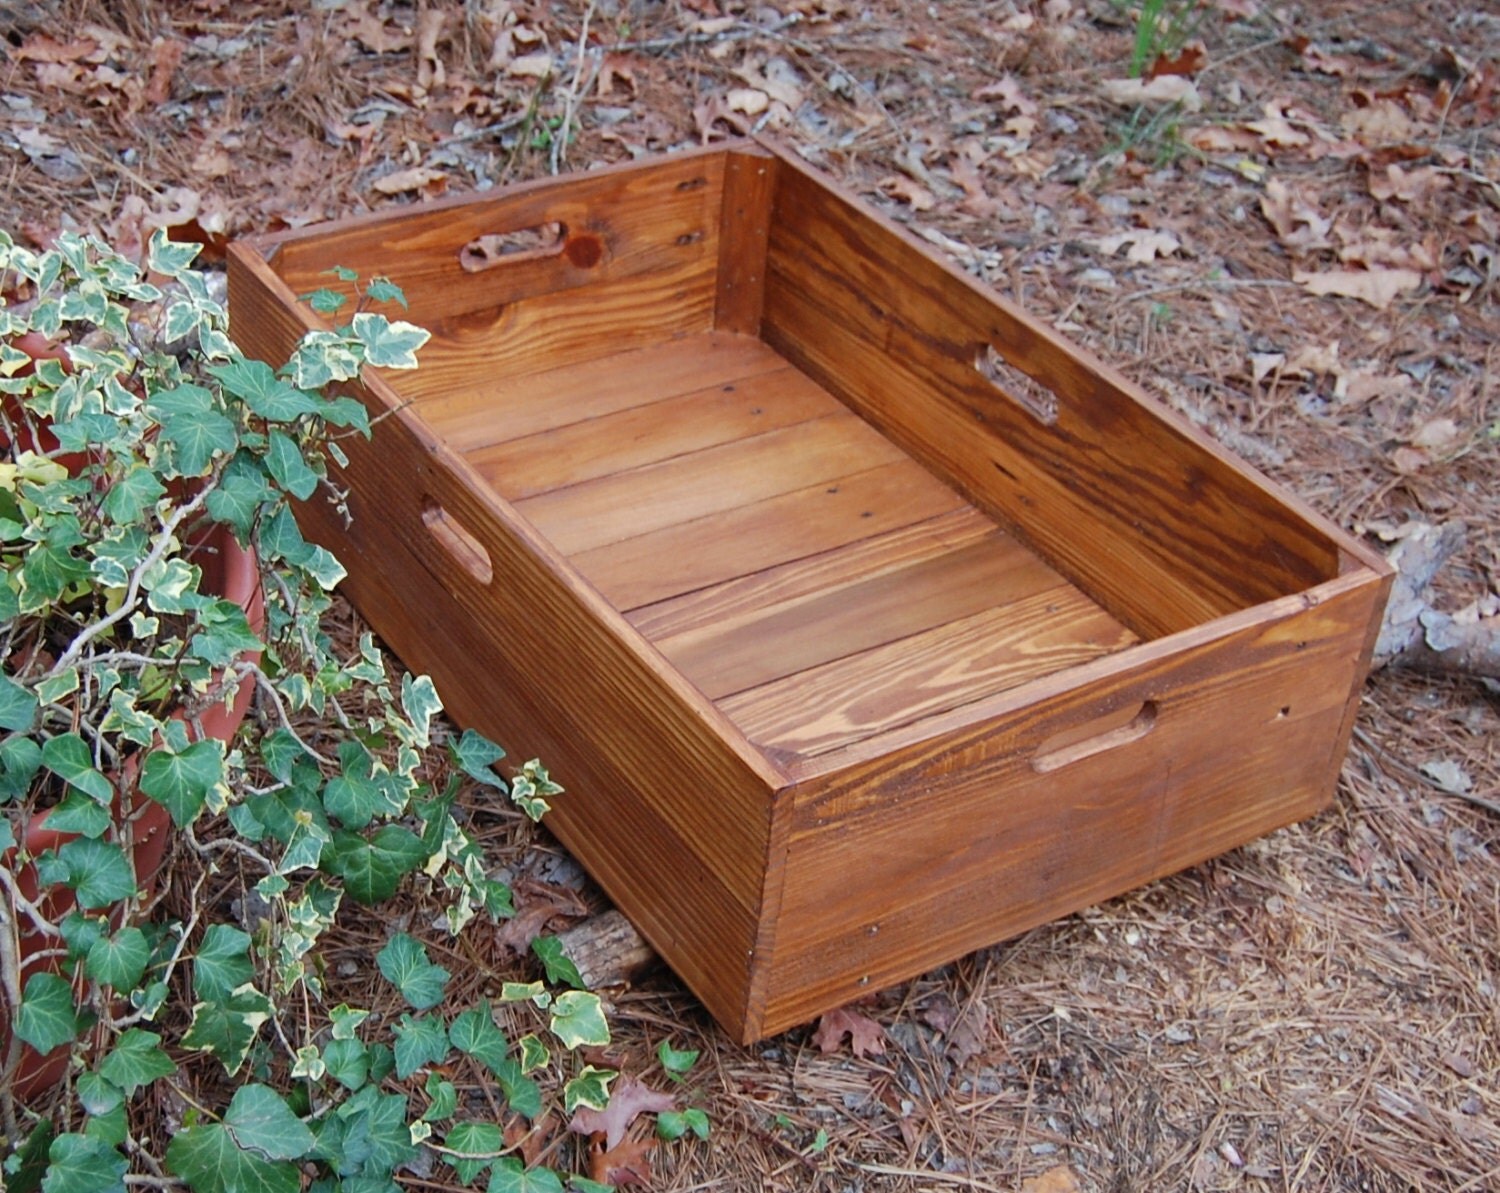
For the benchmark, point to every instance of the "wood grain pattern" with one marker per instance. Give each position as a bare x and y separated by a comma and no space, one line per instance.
524,657
979,846
626,504
769,636
946,667
1148,517
688,556
652,432
495,406
621,224
879,786
749,184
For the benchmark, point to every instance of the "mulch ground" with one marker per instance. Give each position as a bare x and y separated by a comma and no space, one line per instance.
1291,235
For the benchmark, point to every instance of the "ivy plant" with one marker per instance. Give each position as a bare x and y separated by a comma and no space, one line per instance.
145,452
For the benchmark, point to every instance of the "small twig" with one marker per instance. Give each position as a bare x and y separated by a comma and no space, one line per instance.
570,98
20,902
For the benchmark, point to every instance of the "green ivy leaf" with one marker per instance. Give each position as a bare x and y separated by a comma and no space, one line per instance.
228,1027
80,1164
48,1018
67,756
343,273
136,1060
474,1032
478,1145
197,437
420,1041
241,492
404,963
509,1175
442,1097
372,869
25,1167
476,755
558,964
590,1087
382,289
578,1018
46,573
674,1062
119,960
376,1136
17,706
20,759
285,461
78,813
131,495
673,1124
222,964
325,301
522,1094
98,871
263,391
97,1094
582,1184
181,782
389,343
347,1063
209,1160
260,1121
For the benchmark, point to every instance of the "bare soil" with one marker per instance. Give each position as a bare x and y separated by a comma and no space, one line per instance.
1301,255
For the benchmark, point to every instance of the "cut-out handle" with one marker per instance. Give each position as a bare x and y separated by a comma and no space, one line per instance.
1025,391
1108,732
496,249
456,539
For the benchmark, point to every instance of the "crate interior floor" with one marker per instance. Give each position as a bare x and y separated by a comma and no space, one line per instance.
809,577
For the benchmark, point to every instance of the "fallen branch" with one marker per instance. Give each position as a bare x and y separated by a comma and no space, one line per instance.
1414,634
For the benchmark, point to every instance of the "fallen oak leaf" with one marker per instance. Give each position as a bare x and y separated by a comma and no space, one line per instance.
1060,1179
1298,224
629,1099
417,178
913,193
1377,287
1168,89
866,1037
1192,58
1145,245
41,48
166,55
627,1163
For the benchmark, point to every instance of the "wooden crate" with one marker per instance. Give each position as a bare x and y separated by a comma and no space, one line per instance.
865,619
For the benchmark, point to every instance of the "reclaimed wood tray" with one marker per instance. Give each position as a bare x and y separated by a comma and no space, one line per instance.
865,619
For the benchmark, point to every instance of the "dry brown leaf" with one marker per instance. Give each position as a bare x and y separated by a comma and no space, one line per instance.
430,25
1009,94
866,1037
537,903
1055,1180
41,48
909,191
1374,246
1145,245
373,33
627,1164
627,1101
1409,459
1263,364
748,100
1192,58
1378,287
713,111
531,66
1215,138
1298,224
1383,122
616,71
417,178
1437,434
1409,186
1339,65
1168,89
166,54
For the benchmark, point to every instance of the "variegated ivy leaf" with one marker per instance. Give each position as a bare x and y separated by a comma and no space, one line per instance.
169,257
321,359
227,1027
578,1019
388,344
590,1087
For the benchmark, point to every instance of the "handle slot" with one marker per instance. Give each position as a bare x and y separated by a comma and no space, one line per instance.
495,249
1025,391
467,551
1108,732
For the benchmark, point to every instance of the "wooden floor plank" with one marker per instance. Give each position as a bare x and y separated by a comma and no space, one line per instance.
651,432
491,407
830,706
767,638
687,556
626,504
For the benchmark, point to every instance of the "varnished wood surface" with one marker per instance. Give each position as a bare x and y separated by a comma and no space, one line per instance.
902,589
1146,517
533,657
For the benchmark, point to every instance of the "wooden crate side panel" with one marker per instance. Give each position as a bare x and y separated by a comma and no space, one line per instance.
669,806
1133,505
660,219
904,863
